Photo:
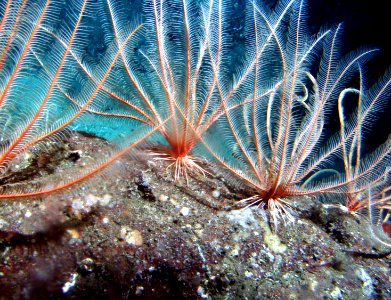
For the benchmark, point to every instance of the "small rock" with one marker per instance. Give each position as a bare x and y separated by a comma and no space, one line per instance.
235,251
73,233
139,290
336,293
87,265
105,200
2,223
130,236
91,200
163,198
185,211
77,205
216,194
201,292
70,283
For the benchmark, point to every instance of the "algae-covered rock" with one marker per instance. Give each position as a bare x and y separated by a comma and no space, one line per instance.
132,232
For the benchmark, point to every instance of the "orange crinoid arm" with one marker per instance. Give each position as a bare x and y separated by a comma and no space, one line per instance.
40,46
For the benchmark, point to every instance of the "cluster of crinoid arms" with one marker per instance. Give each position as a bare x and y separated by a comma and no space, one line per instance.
179,83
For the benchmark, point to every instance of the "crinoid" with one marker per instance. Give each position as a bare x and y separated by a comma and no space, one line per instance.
41,45
275,142
172,72
365,181
367,175
28,103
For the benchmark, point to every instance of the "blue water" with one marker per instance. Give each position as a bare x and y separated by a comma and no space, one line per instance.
363,27
362,23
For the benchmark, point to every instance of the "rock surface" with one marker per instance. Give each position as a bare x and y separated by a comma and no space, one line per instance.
132,232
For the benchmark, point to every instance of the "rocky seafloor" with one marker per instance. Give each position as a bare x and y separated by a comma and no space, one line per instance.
132,232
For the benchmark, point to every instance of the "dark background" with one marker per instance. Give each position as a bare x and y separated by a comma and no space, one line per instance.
365,24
